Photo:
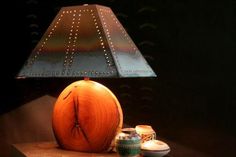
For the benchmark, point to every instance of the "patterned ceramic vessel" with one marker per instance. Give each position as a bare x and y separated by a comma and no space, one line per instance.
128,143
146,132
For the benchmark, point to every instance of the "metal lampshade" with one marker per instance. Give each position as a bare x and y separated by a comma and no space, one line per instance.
86,41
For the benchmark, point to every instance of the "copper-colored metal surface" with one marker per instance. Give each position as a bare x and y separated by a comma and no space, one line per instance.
86,41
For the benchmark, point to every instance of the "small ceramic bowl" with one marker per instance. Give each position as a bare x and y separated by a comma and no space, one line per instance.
154,148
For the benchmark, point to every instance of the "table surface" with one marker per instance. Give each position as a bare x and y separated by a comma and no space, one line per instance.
50,149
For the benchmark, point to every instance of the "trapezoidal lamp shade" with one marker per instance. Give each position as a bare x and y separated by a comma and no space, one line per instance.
86,41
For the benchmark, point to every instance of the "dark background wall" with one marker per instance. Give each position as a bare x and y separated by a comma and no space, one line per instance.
189,44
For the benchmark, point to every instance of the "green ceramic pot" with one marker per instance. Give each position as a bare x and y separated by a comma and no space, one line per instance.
128,144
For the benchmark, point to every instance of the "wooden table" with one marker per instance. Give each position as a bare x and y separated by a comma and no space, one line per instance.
50,149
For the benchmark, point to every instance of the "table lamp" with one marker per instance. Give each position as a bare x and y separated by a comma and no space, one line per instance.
86,41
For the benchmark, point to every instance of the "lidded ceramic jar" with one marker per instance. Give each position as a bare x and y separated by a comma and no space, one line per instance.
146,132
128,143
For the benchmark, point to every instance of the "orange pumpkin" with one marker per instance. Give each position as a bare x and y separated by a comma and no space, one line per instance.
86,117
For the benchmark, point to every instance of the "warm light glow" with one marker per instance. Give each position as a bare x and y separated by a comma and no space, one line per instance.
86,117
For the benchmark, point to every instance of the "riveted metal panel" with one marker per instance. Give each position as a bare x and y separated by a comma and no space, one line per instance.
85,41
